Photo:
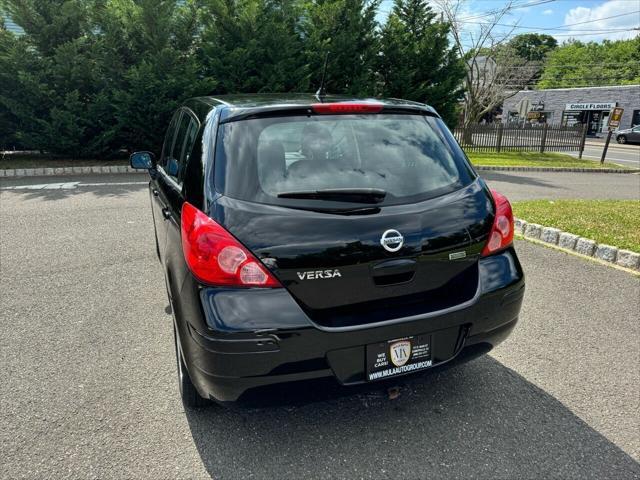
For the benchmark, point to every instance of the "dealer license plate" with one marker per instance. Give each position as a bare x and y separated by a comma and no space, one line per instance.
399,356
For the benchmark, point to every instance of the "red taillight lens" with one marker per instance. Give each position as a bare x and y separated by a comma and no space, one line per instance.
501,235
346,107
215,257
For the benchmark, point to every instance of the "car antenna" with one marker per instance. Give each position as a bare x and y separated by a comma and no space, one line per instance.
321,93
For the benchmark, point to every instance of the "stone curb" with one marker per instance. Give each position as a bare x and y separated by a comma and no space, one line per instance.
44,172
556,169
580,245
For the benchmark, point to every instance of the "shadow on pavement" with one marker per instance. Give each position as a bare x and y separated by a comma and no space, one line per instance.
479,420
516,178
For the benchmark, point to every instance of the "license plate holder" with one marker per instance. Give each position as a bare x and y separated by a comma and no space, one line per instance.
399,356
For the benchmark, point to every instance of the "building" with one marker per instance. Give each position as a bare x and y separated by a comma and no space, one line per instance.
570,106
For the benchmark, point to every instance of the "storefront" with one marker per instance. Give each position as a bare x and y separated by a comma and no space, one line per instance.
538,114
594,115
588,106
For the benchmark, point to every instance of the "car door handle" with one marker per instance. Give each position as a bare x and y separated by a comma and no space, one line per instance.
155,192
166,213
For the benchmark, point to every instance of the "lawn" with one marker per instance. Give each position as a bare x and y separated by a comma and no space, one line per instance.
534,159
614,222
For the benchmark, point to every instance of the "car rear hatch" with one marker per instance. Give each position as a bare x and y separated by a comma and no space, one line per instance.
335,207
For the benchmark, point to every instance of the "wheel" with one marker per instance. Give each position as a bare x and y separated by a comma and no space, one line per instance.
190,396
621,139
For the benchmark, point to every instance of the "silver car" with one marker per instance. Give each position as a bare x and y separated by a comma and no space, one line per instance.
629,135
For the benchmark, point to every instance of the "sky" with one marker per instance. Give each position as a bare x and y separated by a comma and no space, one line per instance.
554,17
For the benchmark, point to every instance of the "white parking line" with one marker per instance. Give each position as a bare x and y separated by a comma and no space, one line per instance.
68,185
44,186
113,183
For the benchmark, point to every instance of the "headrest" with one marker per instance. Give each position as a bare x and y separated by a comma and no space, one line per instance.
271,162
316,142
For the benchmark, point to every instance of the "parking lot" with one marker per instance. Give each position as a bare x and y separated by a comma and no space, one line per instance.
88,383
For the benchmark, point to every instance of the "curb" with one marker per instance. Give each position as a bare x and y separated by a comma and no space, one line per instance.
44,172
569,242
556,169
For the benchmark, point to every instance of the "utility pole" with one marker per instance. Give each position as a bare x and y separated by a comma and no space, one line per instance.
606,146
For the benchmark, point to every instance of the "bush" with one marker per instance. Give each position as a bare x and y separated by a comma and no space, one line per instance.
90,78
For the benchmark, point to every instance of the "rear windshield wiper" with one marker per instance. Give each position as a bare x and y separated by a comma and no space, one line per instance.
360,195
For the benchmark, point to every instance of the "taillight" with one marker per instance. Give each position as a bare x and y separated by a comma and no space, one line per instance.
346,107
501,235
215,257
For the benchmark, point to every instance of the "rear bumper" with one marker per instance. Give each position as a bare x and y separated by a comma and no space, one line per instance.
258,337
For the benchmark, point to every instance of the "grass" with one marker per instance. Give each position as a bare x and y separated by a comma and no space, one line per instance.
42,161
504,159
534,159
613,222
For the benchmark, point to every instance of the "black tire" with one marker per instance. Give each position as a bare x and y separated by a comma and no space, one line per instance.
190,396
621,139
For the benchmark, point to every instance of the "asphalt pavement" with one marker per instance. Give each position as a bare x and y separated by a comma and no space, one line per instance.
626,155
88,383
551,185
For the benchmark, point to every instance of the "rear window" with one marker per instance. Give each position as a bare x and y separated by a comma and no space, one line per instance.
411,157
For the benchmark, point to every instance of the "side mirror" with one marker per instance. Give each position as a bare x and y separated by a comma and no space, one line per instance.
142,160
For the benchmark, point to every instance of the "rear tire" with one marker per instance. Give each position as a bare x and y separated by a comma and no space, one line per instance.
621,139
190,396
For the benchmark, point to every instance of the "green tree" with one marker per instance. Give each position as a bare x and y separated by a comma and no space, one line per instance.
346,29
417,61
253,46
90,78
577,64
9,122
52,76
147,51
533,46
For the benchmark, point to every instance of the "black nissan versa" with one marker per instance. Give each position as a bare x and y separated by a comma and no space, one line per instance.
305,237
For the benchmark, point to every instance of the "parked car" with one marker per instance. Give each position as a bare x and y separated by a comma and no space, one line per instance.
629,135
304,237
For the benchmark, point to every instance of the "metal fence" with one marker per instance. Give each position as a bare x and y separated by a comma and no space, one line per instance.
498,137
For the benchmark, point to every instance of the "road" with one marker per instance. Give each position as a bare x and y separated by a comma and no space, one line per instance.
88,381
549,185
627,155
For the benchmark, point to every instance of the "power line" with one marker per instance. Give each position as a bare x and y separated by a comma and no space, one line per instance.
588,79
493,12
562,85
610,64
564,27
598,19
569,35
574,34
566,65
508,9
554,29
570,81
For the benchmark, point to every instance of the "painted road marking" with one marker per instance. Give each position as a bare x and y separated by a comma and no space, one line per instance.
68,185
113,183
